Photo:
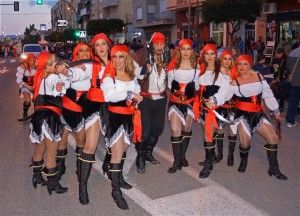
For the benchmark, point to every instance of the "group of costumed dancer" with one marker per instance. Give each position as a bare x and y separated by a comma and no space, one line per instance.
104,91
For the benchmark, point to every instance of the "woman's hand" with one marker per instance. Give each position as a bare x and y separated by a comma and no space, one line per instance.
137,98
278,116
82,67
209,103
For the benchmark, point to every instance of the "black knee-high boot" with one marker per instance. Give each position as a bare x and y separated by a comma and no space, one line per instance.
209,159
176,145
60,162
87,161
231,147
186,136
140,158
53,182
106,163
150,145
201,163
244,153
123,183
115,169
26,106
78,152
220,140
273,162
37,177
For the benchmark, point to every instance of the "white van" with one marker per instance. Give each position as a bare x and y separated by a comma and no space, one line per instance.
31,48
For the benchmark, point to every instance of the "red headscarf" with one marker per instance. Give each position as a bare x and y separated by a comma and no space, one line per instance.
172,65
29,57
224,53
101,36
206,48
110,69
76,50
209,47
185,41
158,37
41,61
104,37
247,58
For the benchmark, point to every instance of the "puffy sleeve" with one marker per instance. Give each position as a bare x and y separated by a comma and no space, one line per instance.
197,79
137,87
223,92
170,78
77,74
19,75
224,95
268,97
111,92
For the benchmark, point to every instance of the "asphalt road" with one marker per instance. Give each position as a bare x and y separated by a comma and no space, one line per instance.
225,192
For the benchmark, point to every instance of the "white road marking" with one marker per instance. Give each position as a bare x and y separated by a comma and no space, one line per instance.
2,62
12,61
212,199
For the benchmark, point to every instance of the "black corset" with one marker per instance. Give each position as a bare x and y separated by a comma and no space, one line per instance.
122,103
48,100
190,89
249,99
210,90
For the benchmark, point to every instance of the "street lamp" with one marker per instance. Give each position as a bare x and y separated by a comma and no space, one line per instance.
71,7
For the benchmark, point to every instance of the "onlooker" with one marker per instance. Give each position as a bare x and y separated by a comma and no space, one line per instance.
284,44
261,46
241,46
279,83
262,68
293,64
254,47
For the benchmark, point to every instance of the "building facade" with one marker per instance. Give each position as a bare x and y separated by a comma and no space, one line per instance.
153,15
64,10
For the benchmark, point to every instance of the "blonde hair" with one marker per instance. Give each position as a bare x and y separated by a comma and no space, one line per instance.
51,61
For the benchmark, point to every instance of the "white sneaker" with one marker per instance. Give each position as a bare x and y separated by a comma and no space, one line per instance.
290,125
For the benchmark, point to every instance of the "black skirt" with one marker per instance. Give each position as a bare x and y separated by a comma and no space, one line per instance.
48,120
118,124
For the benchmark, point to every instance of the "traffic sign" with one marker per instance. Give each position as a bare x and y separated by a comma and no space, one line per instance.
82,34
62,23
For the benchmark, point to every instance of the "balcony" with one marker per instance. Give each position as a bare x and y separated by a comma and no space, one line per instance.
157,19
182,4
109,3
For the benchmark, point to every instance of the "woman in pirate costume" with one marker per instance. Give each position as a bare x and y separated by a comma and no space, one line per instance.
74,103
228,68
94,113
45,125
212,81
249,90
121,90
183,82
25,73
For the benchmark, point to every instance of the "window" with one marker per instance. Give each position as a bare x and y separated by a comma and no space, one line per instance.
163,6
151,9
139,13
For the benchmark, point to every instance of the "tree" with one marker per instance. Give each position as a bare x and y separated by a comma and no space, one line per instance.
31,35
107,26
232,12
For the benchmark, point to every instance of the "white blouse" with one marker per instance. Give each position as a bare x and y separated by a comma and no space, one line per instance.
252,89
116,90
184,76
21,72
223,81
48,85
